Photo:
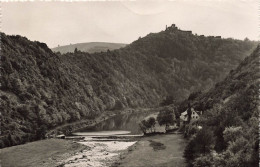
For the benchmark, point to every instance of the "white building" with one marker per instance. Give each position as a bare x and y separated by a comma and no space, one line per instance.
195,115
184,116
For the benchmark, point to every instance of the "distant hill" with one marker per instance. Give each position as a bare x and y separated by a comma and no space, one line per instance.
41,90
90,47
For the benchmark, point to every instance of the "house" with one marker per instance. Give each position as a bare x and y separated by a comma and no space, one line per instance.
195,115
184,116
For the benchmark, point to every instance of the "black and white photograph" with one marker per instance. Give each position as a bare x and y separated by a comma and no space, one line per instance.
134,83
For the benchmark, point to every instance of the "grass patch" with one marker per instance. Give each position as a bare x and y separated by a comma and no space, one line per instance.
170,152
157,145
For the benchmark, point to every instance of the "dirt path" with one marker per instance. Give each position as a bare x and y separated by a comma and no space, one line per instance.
155,151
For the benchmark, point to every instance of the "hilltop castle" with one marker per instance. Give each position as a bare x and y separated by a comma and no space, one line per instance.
173,28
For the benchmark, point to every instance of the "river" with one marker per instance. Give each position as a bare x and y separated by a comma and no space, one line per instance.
107,140
123,122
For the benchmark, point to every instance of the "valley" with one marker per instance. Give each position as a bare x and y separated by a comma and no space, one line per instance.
94,96
41,90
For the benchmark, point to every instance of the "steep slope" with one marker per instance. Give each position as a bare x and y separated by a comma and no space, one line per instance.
172,62
244,77
41,90
36,91
230,119
90,47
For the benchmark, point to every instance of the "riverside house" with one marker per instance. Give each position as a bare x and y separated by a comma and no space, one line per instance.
195,115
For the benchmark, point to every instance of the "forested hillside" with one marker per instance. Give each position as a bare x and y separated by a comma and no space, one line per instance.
41,90
90,47
229,134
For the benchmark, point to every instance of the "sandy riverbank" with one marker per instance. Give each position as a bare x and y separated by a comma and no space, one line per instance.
54,152
63,153
100,154
43,153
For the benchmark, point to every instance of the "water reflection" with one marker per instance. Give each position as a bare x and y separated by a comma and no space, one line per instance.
102,133
124,122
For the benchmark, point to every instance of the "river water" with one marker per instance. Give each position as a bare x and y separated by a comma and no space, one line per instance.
123,122
106,140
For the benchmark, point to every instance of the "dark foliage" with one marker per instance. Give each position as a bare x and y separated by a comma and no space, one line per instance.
146,125
40,132
231,116
167,101
166,117
157,145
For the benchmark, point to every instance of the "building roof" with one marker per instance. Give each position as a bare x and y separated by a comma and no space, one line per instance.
184,113
192,109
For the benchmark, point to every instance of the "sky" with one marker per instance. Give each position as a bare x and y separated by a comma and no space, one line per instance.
63,23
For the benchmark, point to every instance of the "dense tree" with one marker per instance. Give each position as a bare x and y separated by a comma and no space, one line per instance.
167,101
41,132
166,117
204,161
190,151
148,124
232,117
194,95
232,133
204,140
143,126
151,122
76,50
